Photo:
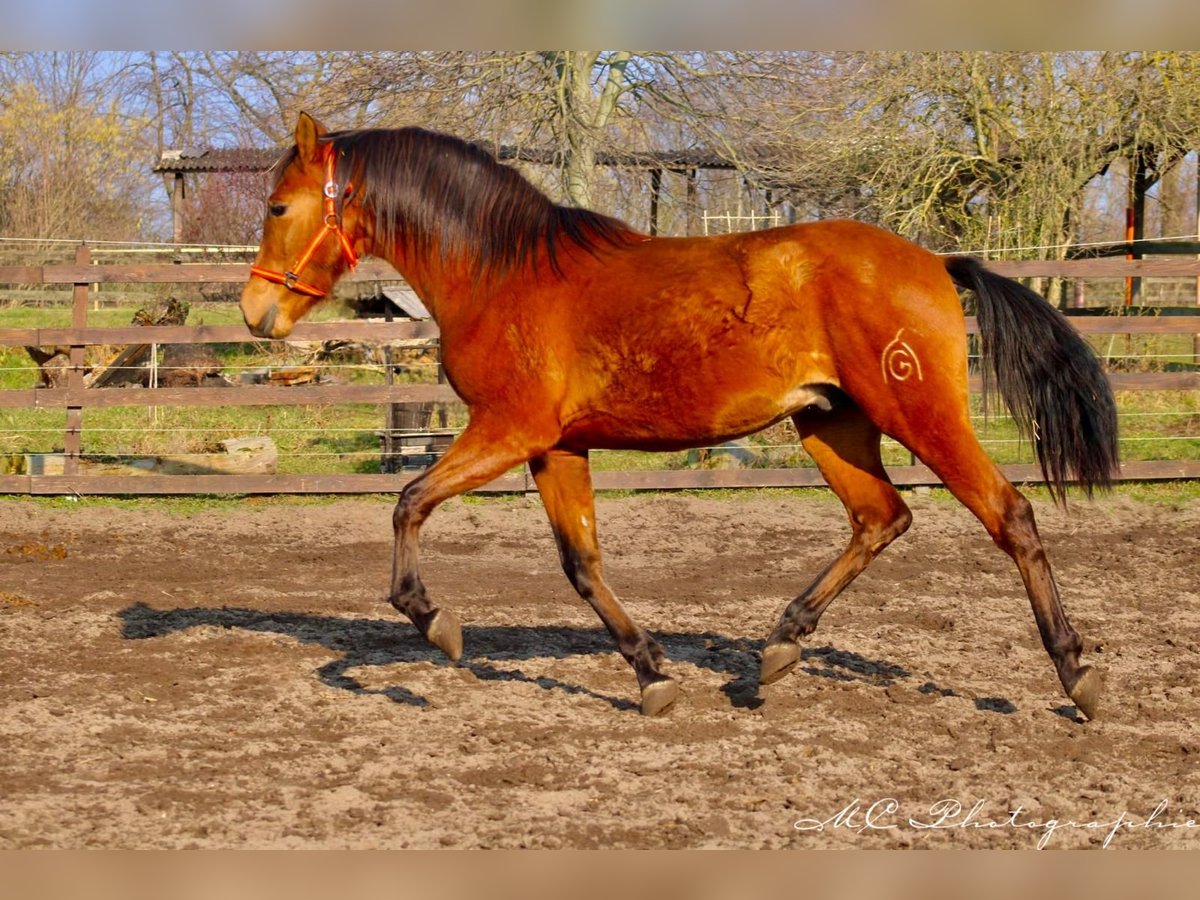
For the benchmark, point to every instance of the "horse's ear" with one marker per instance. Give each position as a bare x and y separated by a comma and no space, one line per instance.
308,130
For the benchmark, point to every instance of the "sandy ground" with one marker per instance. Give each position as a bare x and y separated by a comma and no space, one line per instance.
234,678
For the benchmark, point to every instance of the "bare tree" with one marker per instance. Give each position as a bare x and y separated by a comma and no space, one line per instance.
574,103
962,148
66,160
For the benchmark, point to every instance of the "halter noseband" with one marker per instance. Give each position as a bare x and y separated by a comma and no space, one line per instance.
333,223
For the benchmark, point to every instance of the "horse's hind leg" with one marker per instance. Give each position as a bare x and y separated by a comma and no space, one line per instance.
482,452
845,446
565,483
967,471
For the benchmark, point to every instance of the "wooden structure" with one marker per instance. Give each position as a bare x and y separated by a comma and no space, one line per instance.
686,163
408,439
75,398
179,165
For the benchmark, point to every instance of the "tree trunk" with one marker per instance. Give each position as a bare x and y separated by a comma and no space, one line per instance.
585,114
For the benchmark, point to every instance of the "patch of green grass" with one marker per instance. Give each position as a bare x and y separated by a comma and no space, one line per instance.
189,504
311,439
1170,494
343,439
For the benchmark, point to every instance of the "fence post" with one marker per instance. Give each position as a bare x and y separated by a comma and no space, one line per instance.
388,465
655,192
73,440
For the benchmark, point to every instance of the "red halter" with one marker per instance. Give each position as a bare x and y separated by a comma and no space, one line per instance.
333,222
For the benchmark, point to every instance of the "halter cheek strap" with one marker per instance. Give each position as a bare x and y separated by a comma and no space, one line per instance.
332,223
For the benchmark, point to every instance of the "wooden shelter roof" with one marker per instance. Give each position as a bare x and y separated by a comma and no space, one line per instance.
252,159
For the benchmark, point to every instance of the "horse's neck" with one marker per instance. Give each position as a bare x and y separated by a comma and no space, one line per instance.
442,289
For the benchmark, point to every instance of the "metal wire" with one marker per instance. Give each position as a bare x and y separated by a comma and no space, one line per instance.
1069,246
382,368
760,448
362,367
163,246
321,429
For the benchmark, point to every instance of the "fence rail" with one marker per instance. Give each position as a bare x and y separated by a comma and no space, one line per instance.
75,398
377,270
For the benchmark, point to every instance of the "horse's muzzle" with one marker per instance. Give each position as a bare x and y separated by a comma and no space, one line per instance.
264,327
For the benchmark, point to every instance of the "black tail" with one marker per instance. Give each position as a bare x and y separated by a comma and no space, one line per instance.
1048,376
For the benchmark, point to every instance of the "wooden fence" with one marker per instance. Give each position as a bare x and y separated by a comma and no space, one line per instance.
75,398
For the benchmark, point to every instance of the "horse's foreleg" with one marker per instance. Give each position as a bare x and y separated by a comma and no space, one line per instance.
845,446
480,453
565,483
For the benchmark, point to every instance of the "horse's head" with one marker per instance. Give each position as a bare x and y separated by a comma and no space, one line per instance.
309,236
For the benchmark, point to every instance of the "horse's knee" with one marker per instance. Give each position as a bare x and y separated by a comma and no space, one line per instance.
407,509
901,520
880,529
578,565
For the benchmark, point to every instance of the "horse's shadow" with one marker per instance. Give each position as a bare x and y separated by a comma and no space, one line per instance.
379,642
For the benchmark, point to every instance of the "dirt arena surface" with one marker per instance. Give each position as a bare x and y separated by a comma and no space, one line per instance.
232,677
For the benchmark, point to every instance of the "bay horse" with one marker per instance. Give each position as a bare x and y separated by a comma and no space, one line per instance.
565,330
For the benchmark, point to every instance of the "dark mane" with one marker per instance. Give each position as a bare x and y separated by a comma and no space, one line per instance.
437,192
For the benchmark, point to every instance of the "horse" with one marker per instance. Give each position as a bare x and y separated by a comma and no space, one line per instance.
564,330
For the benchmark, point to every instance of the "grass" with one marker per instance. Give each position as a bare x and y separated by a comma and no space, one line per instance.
1172,494
317,438
343,439
1162,425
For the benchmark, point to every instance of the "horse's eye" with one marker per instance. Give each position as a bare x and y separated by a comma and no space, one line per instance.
277,209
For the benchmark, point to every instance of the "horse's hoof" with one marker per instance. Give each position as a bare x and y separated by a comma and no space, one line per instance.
1086,692
659,696
445,633
778,660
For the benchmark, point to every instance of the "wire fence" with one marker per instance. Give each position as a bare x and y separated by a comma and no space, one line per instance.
380,411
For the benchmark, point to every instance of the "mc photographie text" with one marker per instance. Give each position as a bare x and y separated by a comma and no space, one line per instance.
889,814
